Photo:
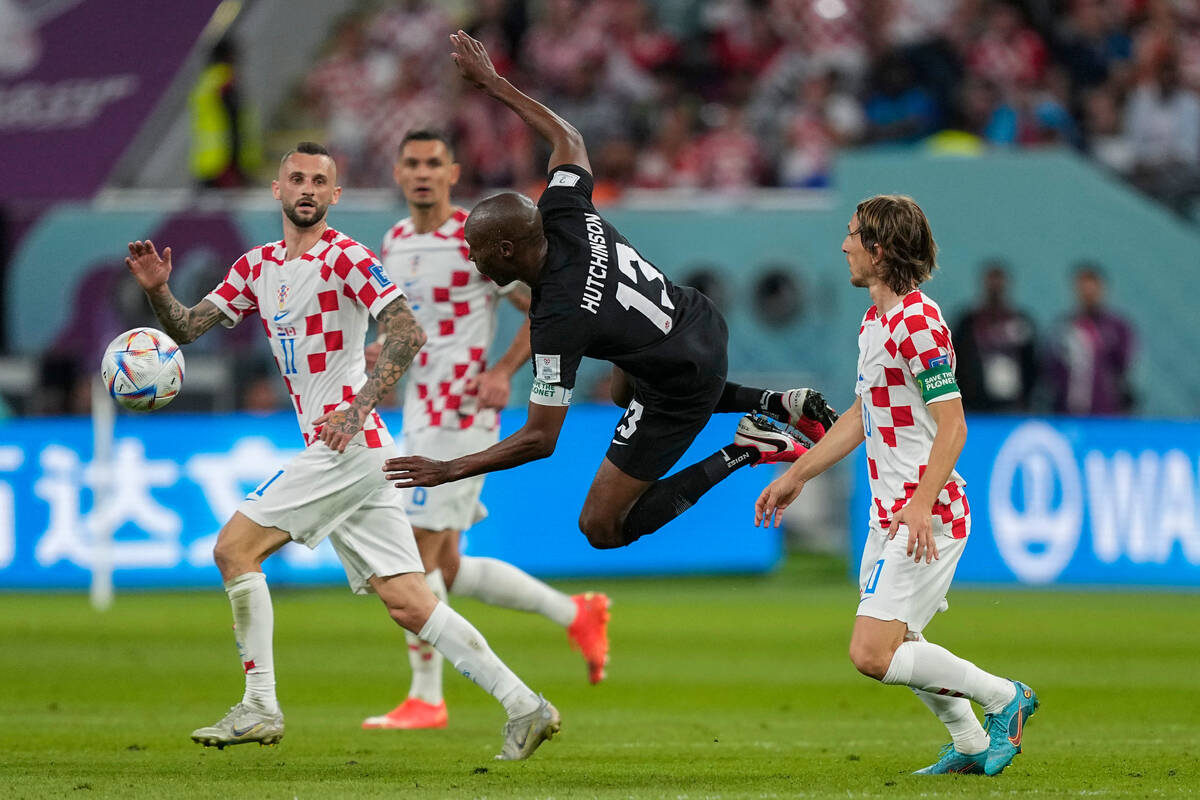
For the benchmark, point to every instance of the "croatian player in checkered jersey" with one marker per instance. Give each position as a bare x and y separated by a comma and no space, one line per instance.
909,411
313,291
593,295
451,405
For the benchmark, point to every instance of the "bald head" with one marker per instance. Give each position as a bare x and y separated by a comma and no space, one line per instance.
506,239
509,215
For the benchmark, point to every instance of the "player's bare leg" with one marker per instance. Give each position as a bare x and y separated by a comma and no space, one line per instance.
612,494
409,601
242,546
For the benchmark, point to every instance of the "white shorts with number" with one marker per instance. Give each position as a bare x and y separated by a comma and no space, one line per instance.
892,586
451,506
343,496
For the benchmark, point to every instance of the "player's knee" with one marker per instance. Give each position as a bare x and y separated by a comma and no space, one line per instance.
229,558
869,660
602,532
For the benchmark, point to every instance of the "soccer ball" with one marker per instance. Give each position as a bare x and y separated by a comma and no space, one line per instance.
143,369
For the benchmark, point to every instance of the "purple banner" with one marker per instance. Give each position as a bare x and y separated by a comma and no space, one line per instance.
77,80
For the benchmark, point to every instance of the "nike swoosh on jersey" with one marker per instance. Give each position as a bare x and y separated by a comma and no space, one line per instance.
614,441
279,317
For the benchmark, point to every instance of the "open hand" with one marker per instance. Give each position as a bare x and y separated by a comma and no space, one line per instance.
472,60
779,494
411,471
338,428
144,262
920,532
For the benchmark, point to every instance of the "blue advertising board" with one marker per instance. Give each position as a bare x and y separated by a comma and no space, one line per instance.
179,477
1075,501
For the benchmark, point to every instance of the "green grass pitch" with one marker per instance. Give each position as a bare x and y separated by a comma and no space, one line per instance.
718,688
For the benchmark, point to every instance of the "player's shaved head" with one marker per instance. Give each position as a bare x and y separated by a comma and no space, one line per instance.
504,232
509,215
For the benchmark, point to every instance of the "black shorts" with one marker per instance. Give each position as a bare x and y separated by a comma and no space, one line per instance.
673,399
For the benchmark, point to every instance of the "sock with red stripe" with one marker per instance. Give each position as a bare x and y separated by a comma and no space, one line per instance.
253,628
425,660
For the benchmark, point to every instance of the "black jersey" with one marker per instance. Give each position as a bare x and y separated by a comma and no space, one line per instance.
597,297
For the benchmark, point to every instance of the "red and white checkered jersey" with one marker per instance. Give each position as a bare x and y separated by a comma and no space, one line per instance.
314,309
893,349
456,306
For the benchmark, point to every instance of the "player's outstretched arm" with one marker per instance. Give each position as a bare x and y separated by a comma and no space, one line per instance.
475,65
536,439
181,323
403,340
838,442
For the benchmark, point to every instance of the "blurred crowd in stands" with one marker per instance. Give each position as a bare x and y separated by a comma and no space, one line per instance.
733,94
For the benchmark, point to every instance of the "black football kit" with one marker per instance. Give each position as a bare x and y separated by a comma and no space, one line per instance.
598,297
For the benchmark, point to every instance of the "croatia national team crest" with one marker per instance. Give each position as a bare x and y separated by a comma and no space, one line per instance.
283,293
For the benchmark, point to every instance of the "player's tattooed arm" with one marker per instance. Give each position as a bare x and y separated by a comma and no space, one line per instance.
152,271
181,323
404,339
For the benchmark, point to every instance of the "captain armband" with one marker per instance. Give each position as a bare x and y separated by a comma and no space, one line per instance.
550,394
937,382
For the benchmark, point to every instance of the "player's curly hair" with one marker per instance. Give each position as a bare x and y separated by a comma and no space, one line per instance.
898,225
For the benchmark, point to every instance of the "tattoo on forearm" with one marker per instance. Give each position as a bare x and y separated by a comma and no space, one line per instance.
404,339
181,323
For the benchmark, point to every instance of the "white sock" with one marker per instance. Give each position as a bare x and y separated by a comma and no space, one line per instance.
253,627
468,651
956,714
425,660
925,665
499,583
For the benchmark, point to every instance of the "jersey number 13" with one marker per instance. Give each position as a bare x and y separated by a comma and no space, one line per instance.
629,296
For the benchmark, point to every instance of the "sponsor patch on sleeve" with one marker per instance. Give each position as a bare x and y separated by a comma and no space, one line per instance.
563,178
937,382
940,361
547,394
548,368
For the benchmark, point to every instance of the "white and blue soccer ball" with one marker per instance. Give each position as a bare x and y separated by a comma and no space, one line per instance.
143,369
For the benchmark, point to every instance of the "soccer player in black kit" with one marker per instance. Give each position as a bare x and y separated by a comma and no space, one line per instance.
594,295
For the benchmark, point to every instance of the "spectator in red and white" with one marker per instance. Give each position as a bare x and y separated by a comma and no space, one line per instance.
342,91
639,50
413,29
744,38
409,105
822,121
562,42
671,160
835,34
729,155
1008,52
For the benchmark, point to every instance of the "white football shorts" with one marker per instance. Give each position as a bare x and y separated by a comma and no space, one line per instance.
451,506
892,586
321,493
